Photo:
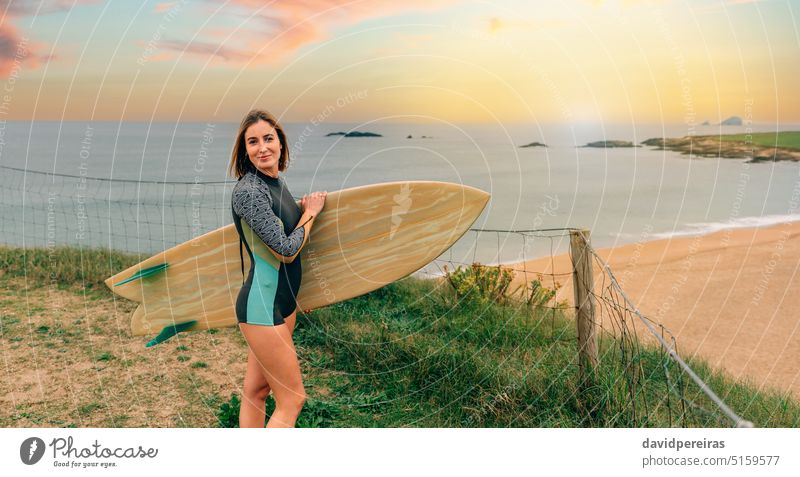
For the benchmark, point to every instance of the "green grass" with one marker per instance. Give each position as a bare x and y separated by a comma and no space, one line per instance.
410,354
787,139
65,266
418,353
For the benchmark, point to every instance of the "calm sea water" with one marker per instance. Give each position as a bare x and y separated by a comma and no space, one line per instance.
622,195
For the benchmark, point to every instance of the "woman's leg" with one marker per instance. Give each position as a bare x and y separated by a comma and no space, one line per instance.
256,388
254,395
290,320
275,354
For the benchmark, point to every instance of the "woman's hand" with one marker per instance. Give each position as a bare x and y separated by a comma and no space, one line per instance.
313,202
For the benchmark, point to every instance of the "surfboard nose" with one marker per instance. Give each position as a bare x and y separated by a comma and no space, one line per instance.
480,196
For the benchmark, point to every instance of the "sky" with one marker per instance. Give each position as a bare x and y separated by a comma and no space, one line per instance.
411,61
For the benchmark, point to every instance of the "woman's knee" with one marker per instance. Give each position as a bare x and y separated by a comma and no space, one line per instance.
258,391
293,401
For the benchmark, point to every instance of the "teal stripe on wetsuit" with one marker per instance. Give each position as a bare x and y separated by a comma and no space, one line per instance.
265,215
261,298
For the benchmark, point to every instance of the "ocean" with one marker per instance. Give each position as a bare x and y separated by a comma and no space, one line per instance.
143,187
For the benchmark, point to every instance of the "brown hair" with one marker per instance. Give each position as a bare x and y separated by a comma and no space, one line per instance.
240,163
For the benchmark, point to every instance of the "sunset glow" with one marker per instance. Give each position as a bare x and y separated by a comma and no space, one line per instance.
514,61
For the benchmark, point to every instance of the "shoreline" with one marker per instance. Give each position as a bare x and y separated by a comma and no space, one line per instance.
726,296
717,146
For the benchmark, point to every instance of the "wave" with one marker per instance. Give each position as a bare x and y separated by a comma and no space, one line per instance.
703,228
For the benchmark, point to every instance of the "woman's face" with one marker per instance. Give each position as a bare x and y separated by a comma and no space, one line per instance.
263,146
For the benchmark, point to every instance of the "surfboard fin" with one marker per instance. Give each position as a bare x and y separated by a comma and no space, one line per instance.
146,272
170,331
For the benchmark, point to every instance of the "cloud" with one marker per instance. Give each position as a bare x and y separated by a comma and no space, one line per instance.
272,31
163,7
17,51
268,31
205,49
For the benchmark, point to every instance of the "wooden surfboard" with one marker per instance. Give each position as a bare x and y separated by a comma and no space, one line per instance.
364,238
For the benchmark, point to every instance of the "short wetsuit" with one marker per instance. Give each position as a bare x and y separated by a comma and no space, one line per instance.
263,208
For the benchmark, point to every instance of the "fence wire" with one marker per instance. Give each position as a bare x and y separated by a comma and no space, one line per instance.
41,209
641,372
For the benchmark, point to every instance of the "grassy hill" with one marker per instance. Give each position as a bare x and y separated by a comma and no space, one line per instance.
412,354
787,139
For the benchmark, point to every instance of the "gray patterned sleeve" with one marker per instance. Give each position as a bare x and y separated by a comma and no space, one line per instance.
254,205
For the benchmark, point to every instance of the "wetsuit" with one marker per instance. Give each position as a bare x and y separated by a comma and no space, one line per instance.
265,215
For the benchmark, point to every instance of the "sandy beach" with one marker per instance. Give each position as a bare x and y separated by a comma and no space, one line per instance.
731,297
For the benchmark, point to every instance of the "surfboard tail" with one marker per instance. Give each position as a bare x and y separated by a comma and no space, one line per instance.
144,272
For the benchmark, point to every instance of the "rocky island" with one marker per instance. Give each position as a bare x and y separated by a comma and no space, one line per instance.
732,121
758,147
605,144
534,144
354,134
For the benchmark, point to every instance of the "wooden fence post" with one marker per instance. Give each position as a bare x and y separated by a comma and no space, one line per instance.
583,284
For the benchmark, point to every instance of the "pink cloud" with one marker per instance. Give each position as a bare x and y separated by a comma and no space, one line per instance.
163,56
163,7
204,49
272,31
17,51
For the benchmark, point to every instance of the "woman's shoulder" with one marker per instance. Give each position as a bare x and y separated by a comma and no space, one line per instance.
249,186
245,182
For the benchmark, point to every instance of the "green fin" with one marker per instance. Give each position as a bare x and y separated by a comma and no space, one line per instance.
170,331
145,273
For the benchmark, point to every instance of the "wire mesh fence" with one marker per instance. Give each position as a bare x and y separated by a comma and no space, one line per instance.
39,209
639,373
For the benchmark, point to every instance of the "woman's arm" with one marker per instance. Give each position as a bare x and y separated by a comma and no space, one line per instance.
255,208
311,205
305,224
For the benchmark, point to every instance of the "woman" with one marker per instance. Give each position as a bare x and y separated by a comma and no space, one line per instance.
273,229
